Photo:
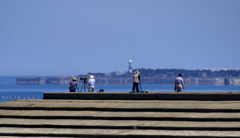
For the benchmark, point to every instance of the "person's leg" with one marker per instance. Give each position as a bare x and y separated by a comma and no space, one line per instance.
137,87
133,88
72,89
179,88
92,88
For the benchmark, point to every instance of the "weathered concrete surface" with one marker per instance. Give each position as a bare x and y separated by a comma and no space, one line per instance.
203,96
120,118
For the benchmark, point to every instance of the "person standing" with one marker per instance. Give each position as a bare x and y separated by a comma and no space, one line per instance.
179,83
73,85
136,80
91,84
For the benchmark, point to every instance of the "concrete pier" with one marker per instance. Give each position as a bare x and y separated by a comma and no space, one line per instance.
202,96
121,117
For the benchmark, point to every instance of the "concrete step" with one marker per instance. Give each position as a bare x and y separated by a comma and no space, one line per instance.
65,132
127,106
125,103
125,124
154,116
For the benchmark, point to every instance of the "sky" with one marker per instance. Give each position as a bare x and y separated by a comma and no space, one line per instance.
72,37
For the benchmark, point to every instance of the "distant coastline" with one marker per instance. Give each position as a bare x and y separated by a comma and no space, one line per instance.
148,77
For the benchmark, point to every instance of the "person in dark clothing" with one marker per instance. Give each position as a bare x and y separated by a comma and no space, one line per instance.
136,80
73,85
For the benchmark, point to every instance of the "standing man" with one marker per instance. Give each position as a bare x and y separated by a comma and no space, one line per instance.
136,80
73,85
179,83
91,84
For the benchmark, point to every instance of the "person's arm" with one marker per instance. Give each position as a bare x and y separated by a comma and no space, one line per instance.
183,83
88,82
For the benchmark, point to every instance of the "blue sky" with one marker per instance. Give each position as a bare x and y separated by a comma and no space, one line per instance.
72,37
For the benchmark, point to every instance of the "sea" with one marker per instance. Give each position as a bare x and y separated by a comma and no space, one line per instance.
10,91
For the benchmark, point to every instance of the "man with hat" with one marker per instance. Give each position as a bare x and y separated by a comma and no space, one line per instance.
73,85
136,80
91,83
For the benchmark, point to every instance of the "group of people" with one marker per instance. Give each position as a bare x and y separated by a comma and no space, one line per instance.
178,84
90,82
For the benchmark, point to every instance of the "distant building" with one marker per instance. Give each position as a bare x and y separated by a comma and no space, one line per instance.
118,72
130,66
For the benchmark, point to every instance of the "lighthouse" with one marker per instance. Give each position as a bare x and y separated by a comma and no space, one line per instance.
130,66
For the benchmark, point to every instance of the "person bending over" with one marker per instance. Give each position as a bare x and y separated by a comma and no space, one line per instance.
73,85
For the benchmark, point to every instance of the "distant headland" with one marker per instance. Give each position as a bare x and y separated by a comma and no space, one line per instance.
148,77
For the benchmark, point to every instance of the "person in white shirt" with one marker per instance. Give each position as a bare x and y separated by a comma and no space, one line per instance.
179,83
91,84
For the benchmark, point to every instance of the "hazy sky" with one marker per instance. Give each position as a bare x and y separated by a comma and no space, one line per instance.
72,37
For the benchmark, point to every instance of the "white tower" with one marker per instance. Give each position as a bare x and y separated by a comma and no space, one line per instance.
130,66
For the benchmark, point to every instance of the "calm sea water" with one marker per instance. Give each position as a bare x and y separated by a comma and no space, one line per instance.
9,91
